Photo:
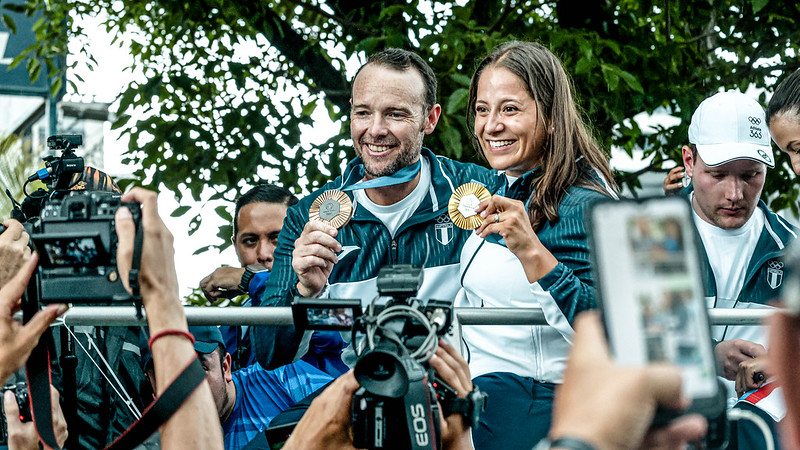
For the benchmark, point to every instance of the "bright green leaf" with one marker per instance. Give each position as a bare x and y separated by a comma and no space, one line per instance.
9,23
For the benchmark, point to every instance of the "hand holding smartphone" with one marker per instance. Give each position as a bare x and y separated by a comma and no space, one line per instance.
647,267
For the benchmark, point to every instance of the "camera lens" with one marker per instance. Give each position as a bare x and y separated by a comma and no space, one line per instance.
381,367
382,373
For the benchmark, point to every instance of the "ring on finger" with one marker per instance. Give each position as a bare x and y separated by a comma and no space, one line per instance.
497,217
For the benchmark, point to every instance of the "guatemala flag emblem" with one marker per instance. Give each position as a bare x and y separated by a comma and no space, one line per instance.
774,274
444,229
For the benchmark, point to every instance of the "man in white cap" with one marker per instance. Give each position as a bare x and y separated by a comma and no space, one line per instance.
743,240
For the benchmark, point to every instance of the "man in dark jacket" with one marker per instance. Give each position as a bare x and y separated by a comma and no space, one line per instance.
400,193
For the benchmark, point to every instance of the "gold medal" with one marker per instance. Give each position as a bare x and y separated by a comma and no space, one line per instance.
462,205
332,207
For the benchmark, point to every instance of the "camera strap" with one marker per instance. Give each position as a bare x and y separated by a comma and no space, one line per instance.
38,373
422,430
37,369
136,263
163,408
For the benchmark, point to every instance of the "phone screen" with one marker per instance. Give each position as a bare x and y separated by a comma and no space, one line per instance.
651,290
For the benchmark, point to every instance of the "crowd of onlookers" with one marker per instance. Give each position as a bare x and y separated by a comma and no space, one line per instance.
549,386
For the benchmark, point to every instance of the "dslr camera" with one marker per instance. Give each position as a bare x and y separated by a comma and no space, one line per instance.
18,386
397,405
71,226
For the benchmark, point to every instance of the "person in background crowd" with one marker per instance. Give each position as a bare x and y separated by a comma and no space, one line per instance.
528,126
246,399
257,221
743,242
783,120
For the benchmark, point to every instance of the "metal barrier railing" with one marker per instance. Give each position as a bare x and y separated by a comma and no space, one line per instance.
126,315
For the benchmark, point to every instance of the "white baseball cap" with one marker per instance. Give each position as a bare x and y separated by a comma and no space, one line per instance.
729,126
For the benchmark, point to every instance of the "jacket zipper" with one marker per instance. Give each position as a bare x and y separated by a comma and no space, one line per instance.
394,251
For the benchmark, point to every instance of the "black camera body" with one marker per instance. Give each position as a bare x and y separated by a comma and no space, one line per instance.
396,407
16,384
377,420
73,230
76,240
398,403
20,390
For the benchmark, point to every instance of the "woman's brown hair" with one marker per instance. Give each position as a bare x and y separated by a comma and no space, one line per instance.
570,153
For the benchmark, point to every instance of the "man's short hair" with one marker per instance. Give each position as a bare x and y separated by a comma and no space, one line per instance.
400,59
263,193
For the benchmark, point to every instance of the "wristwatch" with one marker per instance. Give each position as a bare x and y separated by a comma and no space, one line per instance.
249,271
470,407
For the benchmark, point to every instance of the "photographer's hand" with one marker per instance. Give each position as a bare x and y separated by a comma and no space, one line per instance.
17,340
453,370
196,423
610,406
14,249
326,423
314,256
23,436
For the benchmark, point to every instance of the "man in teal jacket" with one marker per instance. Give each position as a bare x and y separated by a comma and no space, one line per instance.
400,210
743,242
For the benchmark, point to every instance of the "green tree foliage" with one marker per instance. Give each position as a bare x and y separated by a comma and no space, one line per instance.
230,85
16,163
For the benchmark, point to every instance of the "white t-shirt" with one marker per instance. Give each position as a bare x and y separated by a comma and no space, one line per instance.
729,253
394,215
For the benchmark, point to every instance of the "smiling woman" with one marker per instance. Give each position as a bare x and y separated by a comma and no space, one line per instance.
532,241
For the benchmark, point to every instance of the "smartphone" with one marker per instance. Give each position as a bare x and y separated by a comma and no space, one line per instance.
646,262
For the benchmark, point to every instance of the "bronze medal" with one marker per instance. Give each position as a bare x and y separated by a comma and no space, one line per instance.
463,203
332,207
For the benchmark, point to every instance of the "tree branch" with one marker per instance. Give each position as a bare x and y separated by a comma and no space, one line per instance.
501,18
350,25
300,52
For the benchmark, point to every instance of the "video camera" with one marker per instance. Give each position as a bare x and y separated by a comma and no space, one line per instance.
393,343
71,226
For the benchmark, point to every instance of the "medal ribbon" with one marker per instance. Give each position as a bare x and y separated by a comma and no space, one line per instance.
403,175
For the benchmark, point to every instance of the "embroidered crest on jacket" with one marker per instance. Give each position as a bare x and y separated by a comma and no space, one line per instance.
774,273
444,229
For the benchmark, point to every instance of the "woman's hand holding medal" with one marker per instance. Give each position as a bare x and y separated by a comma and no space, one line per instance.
509,219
